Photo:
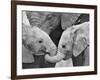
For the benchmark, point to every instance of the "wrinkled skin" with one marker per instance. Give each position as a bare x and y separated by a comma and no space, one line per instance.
73,41
47,21
68,19
37,41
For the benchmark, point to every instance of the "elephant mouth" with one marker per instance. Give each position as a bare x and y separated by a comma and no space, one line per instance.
41,51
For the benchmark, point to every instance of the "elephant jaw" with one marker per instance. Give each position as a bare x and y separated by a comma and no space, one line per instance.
54,59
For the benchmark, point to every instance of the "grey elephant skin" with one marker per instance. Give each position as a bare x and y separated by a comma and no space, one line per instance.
36,40
52,24
47,21
74,43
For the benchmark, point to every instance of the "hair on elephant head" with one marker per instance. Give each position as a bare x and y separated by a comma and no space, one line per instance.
73,41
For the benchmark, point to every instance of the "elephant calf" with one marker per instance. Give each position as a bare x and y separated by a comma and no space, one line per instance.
73,42
37,42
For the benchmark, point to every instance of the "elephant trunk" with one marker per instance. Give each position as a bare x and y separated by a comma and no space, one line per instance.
54,59
50,47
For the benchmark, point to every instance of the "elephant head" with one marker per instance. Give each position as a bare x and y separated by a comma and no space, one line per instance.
73,41
37,41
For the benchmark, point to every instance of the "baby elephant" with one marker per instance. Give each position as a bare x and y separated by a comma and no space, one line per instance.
37,41
74,42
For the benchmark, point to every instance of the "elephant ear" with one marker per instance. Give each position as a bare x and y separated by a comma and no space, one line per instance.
81,39
25,30
25,25
24,18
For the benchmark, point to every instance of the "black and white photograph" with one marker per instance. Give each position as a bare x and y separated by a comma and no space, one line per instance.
52,39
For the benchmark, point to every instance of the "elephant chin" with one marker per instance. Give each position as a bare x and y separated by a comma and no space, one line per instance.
54,59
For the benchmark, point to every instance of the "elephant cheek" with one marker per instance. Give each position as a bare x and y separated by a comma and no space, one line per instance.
41,51
68,55
37,47
66,51
30,47
62,50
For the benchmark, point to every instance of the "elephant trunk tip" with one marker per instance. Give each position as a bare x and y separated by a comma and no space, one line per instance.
54,59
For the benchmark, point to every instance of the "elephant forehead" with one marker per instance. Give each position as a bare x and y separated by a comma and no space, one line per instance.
66,38
38,33
66,35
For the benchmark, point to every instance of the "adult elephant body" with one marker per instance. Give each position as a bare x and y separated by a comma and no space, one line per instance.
73,42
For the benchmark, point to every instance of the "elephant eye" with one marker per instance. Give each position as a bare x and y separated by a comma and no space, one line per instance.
63,46
40,41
